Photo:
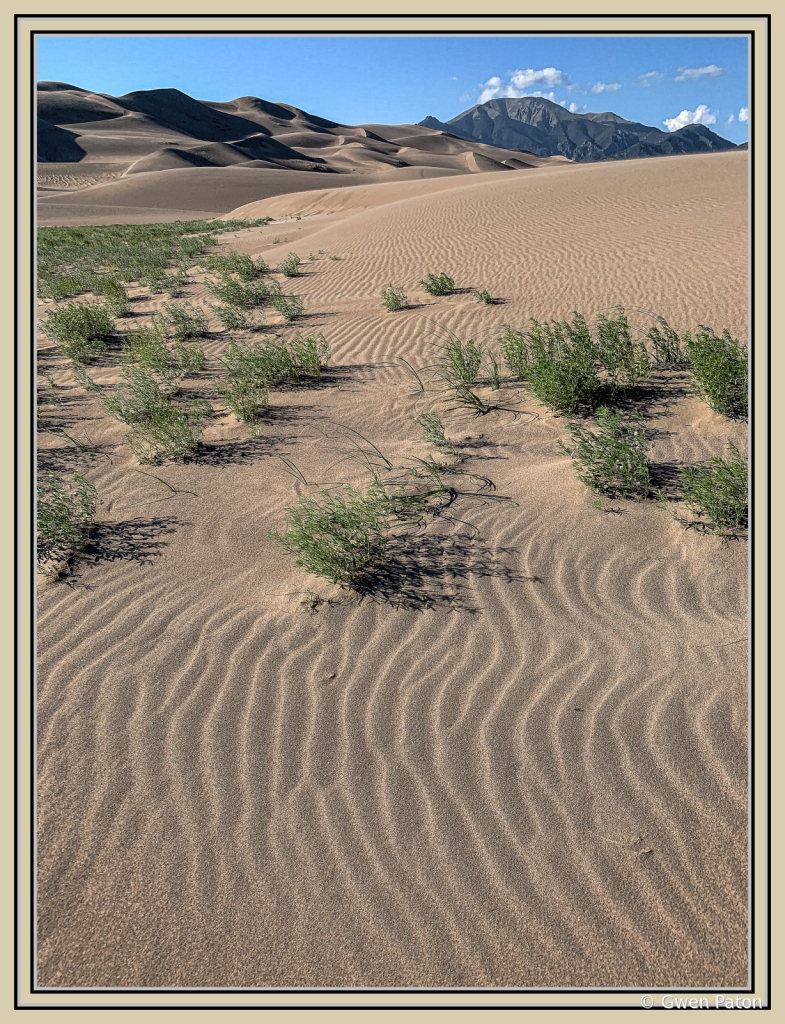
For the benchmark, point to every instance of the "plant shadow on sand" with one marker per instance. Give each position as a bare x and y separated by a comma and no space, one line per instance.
423,572
134,540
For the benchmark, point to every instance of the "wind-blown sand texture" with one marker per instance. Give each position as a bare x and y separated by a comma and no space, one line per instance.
521,759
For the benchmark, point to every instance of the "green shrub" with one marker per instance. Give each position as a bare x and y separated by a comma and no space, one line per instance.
288,306
515,352
115,297
185,320
169,433
394,299
146,345
562,372
717,490
626,362
246,397
462,362
139,396
340,537
483,296
235,319
719,367
438,285
78,321
233,293
63,286
65,512
613,459
233,262
290,267
433,431
669,349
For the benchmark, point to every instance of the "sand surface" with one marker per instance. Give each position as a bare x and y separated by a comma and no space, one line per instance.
521,759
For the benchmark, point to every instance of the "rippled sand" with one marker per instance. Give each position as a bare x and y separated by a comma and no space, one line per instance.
521,760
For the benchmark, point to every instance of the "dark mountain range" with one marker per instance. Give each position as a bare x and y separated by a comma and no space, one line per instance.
545,128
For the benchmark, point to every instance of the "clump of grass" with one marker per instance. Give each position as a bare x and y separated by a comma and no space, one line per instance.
433,431
138,397
243,296
562,372
65,286
80,329
332,256
169,434
626,362
669,349
483,296
719,367
394,299
147,347
717,490
288,306
613,459
234,262
233,318
160,281
515,352
340,537
185,320
462,362
114,294
65,512
438,284
244,396
290,267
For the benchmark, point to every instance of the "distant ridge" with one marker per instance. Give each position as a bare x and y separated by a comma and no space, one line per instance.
548,129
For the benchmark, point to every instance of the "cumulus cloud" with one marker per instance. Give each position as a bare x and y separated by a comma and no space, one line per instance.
701,115
650,78
744,114
688,74
575,109
605,86
520,84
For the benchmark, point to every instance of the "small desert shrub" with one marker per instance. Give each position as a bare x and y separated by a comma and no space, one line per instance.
433,431
78,321
288,306
614,458
147,346
246,397
719,367
233,293
462,362
340,537
169,433
185,320
308,354
562,372
65,512
483,296
626,362
115,297
159,281
187,360
717,490
668,347
439,284
515,352
64,286
234,319
394,299
233,262
290,267
272,363
139,396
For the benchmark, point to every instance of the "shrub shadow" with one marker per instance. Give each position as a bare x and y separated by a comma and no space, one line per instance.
423,572
135,540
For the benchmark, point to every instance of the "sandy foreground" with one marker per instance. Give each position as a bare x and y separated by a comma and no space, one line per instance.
521,759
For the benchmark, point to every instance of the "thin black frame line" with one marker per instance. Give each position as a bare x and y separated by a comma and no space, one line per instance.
751,33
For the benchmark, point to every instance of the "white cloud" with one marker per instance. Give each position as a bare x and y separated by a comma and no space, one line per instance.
520,83
701,115
605,86
744,114
687,74
575,109
547,76
492,89
730,120
453,78
650,78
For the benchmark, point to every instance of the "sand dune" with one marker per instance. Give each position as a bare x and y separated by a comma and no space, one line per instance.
165,130
521,759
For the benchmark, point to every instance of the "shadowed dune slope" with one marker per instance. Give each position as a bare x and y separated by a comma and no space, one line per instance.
166,130
520,758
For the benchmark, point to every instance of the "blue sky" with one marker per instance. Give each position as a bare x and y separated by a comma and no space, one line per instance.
664,81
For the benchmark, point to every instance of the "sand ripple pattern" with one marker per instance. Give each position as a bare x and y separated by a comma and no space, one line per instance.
520,761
